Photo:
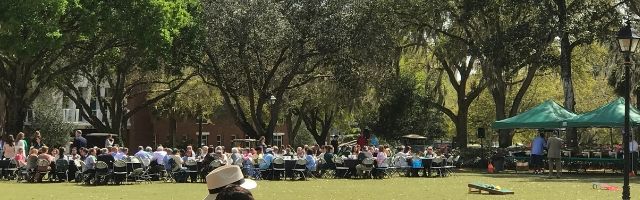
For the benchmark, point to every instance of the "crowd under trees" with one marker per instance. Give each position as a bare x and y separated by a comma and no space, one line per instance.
435,68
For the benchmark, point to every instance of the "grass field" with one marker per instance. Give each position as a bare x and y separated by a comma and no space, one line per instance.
454,187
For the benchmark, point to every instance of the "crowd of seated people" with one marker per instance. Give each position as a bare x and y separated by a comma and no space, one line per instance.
256,162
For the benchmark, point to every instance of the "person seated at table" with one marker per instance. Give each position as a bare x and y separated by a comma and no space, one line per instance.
158,156
167,156
429,153
44,154
189,153
268,158
32,163
55,154
74,154
364,154
355,150
311,162
122,154
247,163
236,157
328,158
381,157
90,165
83,153
113,150
20,159
400,159
141,153
299,152
257,154
106,157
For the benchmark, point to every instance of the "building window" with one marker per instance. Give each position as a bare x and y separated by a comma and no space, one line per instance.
233,137
277,140
219,140
204,139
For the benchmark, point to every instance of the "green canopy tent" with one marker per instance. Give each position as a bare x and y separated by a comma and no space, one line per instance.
548,115
610,115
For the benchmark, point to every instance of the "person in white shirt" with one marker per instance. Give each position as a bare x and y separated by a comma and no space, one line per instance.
400,158
109,141
159,155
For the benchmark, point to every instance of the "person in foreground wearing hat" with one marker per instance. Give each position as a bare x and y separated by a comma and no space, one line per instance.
222,177
234,192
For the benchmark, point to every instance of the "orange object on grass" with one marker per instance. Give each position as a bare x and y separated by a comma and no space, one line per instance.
490,168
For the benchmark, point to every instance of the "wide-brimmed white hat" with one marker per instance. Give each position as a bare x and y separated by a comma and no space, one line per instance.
226,175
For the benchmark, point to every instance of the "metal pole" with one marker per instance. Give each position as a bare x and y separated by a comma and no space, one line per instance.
627,154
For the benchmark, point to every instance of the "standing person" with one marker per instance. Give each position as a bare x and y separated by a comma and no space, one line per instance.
79,141
554,154
20,142
36,141
537,153
9,147
362,141
334,142
109,141
633,148
262,142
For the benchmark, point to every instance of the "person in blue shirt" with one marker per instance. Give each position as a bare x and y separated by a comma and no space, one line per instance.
311,162
266,164
167,158
537,153
268,158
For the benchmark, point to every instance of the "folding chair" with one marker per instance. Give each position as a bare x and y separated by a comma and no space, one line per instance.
62,170
145,176
80,175
102,173
42,169
381,171
278,168
192,169
341,169
12,169
368,167
438,165
450,164
119,172
301,168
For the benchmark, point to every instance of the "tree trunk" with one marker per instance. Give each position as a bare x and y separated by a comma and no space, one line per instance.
16,111
461,127
567,86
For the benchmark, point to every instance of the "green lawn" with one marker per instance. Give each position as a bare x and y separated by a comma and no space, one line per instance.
455,187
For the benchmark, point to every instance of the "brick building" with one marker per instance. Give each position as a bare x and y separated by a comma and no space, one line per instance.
148,130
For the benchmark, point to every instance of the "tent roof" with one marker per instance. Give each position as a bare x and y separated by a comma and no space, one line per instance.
609,115
547,115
